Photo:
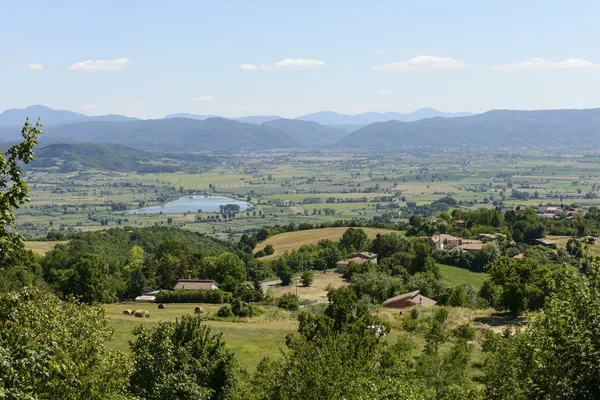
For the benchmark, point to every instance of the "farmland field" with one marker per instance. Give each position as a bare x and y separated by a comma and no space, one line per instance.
293,240
458,276
308,186
251,341
42,248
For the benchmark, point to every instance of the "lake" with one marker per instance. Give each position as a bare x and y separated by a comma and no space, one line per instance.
191,204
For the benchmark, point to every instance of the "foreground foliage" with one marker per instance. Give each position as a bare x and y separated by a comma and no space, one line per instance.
55,349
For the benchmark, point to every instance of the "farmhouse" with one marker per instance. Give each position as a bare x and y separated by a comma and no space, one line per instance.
409,300
447,242
358,258
490,236
471,247
196,284
148,297
546,242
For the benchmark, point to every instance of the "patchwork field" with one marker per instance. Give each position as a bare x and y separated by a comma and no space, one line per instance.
42,248
317,291
293,240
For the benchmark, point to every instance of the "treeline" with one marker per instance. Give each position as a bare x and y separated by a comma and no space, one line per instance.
117,264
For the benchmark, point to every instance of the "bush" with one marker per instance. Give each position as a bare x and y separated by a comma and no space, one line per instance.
269,250
464,332
415,312
288,302
192,296
225,311
307,278
241,309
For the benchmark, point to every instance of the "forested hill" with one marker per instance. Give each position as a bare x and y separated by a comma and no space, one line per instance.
504,128
73,156
115,244
178,134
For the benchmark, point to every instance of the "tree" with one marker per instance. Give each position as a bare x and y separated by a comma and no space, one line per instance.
181,360
53,349
230,272
354,240
269,250
283,271
288,301
137,284
557,356
306,278
525,283
14,192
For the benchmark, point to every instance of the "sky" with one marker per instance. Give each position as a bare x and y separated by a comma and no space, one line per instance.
288,58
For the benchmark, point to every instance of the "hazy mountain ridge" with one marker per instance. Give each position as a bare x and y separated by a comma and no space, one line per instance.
333,118
504,128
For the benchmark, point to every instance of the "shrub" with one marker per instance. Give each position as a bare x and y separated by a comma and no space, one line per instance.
242,309
288,302
307,278
415,312
465,332
192,296
269,250
225,311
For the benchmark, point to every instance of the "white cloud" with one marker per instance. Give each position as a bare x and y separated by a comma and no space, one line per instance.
249,67
299,63
423,63
383,92
87,107
100,65
33,67
540,64
203,98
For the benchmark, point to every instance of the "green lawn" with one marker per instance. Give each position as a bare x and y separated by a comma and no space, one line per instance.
251,340
457,276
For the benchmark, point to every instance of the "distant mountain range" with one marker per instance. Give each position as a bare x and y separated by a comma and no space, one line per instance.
345,121
192,133
499,128
255,119
16,116
333,118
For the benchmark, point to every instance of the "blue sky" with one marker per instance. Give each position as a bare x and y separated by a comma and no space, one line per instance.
233,58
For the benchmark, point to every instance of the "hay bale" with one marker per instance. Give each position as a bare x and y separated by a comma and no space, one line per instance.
161,306
198,310
139,313
127,312
146,314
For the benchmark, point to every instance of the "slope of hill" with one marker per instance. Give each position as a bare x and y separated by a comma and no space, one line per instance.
17,116
333,118
91,155
257,119
253,119
307,133
178,134
505,128
190,116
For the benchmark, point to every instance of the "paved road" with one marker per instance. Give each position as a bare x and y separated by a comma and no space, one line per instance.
266,285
